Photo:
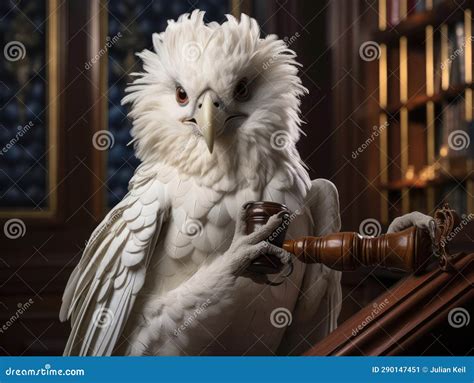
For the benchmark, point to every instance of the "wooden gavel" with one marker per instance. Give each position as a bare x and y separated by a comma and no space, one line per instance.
406,250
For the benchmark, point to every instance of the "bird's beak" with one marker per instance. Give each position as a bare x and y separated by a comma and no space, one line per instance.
210,117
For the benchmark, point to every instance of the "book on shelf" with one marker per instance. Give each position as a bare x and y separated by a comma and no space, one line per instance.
438,66
454,64
456,48
395,15
470,134
455,131
448,62
393,12
453,135
455,196
420,5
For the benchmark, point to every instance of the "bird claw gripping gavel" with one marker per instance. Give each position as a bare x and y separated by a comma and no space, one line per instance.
408,250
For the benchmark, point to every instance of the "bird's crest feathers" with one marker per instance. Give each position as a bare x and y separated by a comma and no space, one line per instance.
200,56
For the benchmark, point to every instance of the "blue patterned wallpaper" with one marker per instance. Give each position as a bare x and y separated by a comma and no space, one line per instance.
132,23
23,151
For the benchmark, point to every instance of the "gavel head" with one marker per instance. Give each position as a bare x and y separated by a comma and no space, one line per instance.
257,215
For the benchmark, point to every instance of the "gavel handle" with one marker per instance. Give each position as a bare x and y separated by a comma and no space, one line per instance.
407,250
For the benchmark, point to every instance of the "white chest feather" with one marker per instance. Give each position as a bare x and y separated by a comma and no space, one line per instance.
201,225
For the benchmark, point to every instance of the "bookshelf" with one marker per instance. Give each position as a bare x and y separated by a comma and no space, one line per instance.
425,100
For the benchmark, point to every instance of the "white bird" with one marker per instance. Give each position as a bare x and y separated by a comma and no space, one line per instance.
162,273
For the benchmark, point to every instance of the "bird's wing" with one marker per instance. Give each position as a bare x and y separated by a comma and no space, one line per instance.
289,186
101,290
323,202
319,303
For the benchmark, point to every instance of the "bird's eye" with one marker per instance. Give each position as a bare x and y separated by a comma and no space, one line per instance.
241,91
181,96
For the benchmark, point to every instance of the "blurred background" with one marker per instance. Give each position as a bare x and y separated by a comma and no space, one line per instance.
388,119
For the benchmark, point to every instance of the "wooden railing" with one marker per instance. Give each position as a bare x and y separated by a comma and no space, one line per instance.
421,315
424,314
